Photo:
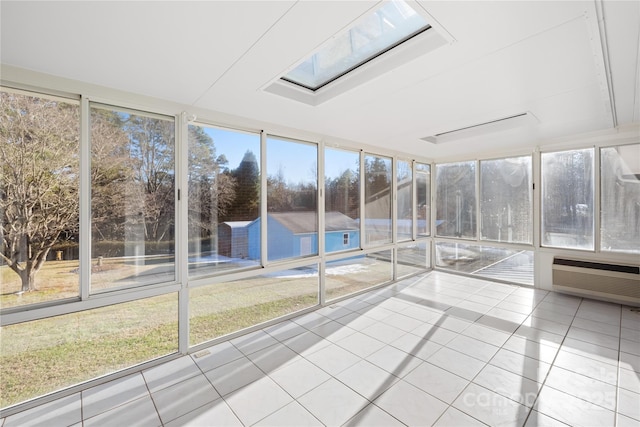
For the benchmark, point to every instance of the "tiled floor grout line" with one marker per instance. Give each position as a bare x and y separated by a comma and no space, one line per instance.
500,348
618,372
153,401
552,364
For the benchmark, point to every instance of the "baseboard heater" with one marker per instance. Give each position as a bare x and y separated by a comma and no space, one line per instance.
612,282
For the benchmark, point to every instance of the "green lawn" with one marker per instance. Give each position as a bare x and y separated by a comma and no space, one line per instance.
45,355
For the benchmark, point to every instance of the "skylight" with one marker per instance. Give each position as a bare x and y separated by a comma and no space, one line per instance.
374,34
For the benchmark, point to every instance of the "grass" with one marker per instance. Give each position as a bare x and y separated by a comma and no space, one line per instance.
60,279
206,327
45,355
55,280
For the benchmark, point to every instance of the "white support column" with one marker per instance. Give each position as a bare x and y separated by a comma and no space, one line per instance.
263,199
537,215
182,229
393,191
321,224
597,199
414,201
434,213
478,217
363,244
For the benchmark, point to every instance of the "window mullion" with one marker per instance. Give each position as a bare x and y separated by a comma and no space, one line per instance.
182,228
84,240
597,211
362,201
414,201
263,199
478,212
321,223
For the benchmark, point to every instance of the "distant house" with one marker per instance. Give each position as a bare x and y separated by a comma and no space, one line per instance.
233,240
293,234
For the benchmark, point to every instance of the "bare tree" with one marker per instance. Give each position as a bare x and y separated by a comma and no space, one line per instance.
38,180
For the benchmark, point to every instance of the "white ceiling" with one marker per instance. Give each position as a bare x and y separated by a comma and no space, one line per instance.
503,58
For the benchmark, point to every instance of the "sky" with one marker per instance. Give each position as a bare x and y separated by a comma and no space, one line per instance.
297,160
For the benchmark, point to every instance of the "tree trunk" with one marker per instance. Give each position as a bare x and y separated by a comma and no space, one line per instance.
28,279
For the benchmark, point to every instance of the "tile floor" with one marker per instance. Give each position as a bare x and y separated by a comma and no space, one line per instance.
436,349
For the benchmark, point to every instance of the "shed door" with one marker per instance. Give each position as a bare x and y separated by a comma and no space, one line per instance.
305,245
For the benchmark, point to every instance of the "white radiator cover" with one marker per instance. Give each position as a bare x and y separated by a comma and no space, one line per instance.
613,282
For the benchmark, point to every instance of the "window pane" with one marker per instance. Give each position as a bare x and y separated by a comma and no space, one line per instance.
412,258
43,356
456,199
423,202
377,32
567,199
377,194
405,200
344,277
132,199
510,265
219,309
39,201
224,198
342,200
292,201
506,200
620,192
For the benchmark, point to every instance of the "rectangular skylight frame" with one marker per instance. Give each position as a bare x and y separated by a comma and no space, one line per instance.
352,61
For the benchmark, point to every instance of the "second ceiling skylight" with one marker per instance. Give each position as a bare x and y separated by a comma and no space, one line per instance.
374,34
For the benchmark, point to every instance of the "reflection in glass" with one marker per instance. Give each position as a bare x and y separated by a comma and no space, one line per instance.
224,198
620,192
511,265
342,200
378,198
344,277
222,308
506,200
132,198
405,200
412,258
567,199
292,201
456,199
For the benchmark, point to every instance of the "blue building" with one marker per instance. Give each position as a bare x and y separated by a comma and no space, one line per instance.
293,234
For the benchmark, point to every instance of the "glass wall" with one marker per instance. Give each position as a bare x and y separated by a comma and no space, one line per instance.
404,191
377,199
222,308
132,198
506,200
224,198
456,199
511,265
39,198
423,199
129,214
292,201
568,199
46,355
344,277
412,258
342,199
620,198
